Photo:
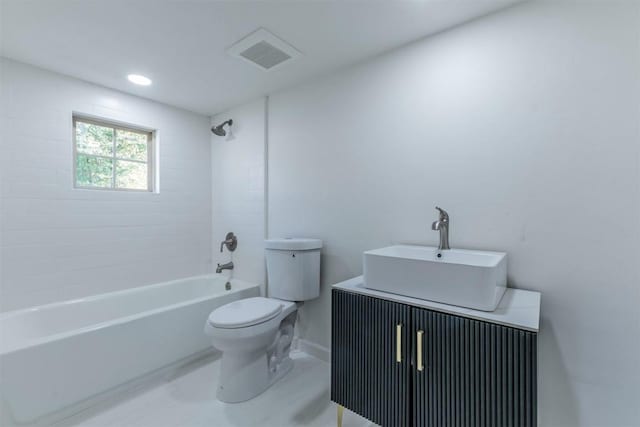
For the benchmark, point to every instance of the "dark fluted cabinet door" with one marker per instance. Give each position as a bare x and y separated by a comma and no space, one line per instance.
475,373
366,376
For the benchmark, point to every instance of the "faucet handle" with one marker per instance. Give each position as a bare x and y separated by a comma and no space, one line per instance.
444,216
230,241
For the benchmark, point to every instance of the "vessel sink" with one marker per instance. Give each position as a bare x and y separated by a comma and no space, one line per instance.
466,278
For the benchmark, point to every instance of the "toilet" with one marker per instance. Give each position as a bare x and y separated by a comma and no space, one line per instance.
255,334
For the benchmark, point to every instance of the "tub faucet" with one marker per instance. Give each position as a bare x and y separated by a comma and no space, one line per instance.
442,225
227,266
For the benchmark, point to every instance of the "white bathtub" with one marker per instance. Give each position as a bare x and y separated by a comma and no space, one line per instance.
57,355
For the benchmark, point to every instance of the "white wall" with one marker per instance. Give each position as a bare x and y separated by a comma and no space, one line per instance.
525,126
59,242
237,167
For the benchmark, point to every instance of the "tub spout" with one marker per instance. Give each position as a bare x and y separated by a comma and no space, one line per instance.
227,266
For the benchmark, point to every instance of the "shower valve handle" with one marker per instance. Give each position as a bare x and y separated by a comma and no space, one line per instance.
230,241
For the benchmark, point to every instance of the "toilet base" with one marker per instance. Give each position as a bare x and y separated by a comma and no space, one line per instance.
251,364
244,376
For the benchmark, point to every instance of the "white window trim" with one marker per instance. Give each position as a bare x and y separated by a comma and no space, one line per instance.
151,152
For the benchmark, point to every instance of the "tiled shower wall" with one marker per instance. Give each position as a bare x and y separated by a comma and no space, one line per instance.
238,186
57,242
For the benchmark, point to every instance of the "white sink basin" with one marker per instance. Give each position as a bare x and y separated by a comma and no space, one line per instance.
466,278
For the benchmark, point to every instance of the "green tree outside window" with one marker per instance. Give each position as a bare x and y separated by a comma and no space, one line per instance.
110,157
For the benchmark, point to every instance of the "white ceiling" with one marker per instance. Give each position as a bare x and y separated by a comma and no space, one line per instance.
180,44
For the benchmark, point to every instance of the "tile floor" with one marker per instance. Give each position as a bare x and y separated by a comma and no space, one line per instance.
187,399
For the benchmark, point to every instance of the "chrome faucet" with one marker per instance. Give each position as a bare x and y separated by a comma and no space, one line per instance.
442,225
227,266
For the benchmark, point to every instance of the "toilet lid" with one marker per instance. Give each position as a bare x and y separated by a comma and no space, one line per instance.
245,312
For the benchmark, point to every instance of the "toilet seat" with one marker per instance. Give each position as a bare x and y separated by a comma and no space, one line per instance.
245,312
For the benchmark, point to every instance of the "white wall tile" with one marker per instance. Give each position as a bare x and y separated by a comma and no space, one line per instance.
57,242
238,190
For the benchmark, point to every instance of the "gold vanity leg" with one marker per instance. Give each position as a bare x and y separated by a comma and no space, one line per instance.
340,413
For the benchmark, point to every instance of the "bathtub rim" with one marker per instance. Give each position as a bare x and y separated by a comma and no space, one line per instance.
35,342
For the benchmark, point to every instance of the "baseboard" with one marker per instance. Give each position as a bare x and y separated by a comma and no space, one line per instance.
315,350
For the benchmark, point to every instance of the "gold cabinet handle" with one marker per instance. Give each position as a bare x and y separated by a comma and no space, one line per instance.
399,342
419,350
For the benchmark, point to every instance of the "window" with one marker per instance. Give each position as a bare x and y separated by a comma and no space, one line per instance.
114,157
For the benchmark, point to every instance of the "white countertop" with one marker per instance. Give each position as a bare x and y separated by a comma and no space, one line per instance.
518,308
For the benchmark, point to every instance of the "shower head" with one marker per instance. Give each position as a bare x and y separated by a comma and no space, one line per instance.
219,130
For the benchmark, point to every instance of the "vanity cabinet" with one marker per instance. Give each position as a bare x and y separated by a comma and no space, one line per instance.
400,365
370,358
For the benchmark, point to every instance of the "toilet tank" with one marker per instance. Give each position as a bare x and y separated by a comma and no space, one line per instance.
293,268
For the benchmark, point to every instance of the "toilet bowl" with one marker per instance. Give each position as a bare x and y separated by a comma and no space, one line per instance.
255,336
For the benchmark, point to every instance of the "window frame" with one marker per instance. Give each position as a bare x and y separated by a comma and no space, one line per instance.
150,162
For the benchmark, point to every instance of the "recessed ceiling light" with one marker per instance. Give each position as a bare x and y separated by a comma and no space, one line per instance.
139,80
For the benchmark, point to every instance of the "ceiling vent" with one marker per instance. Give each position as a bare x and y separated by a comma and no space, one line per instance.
264,50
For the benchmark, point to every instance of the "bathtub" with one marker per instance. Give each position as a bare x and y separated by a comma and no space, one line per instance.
57,355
